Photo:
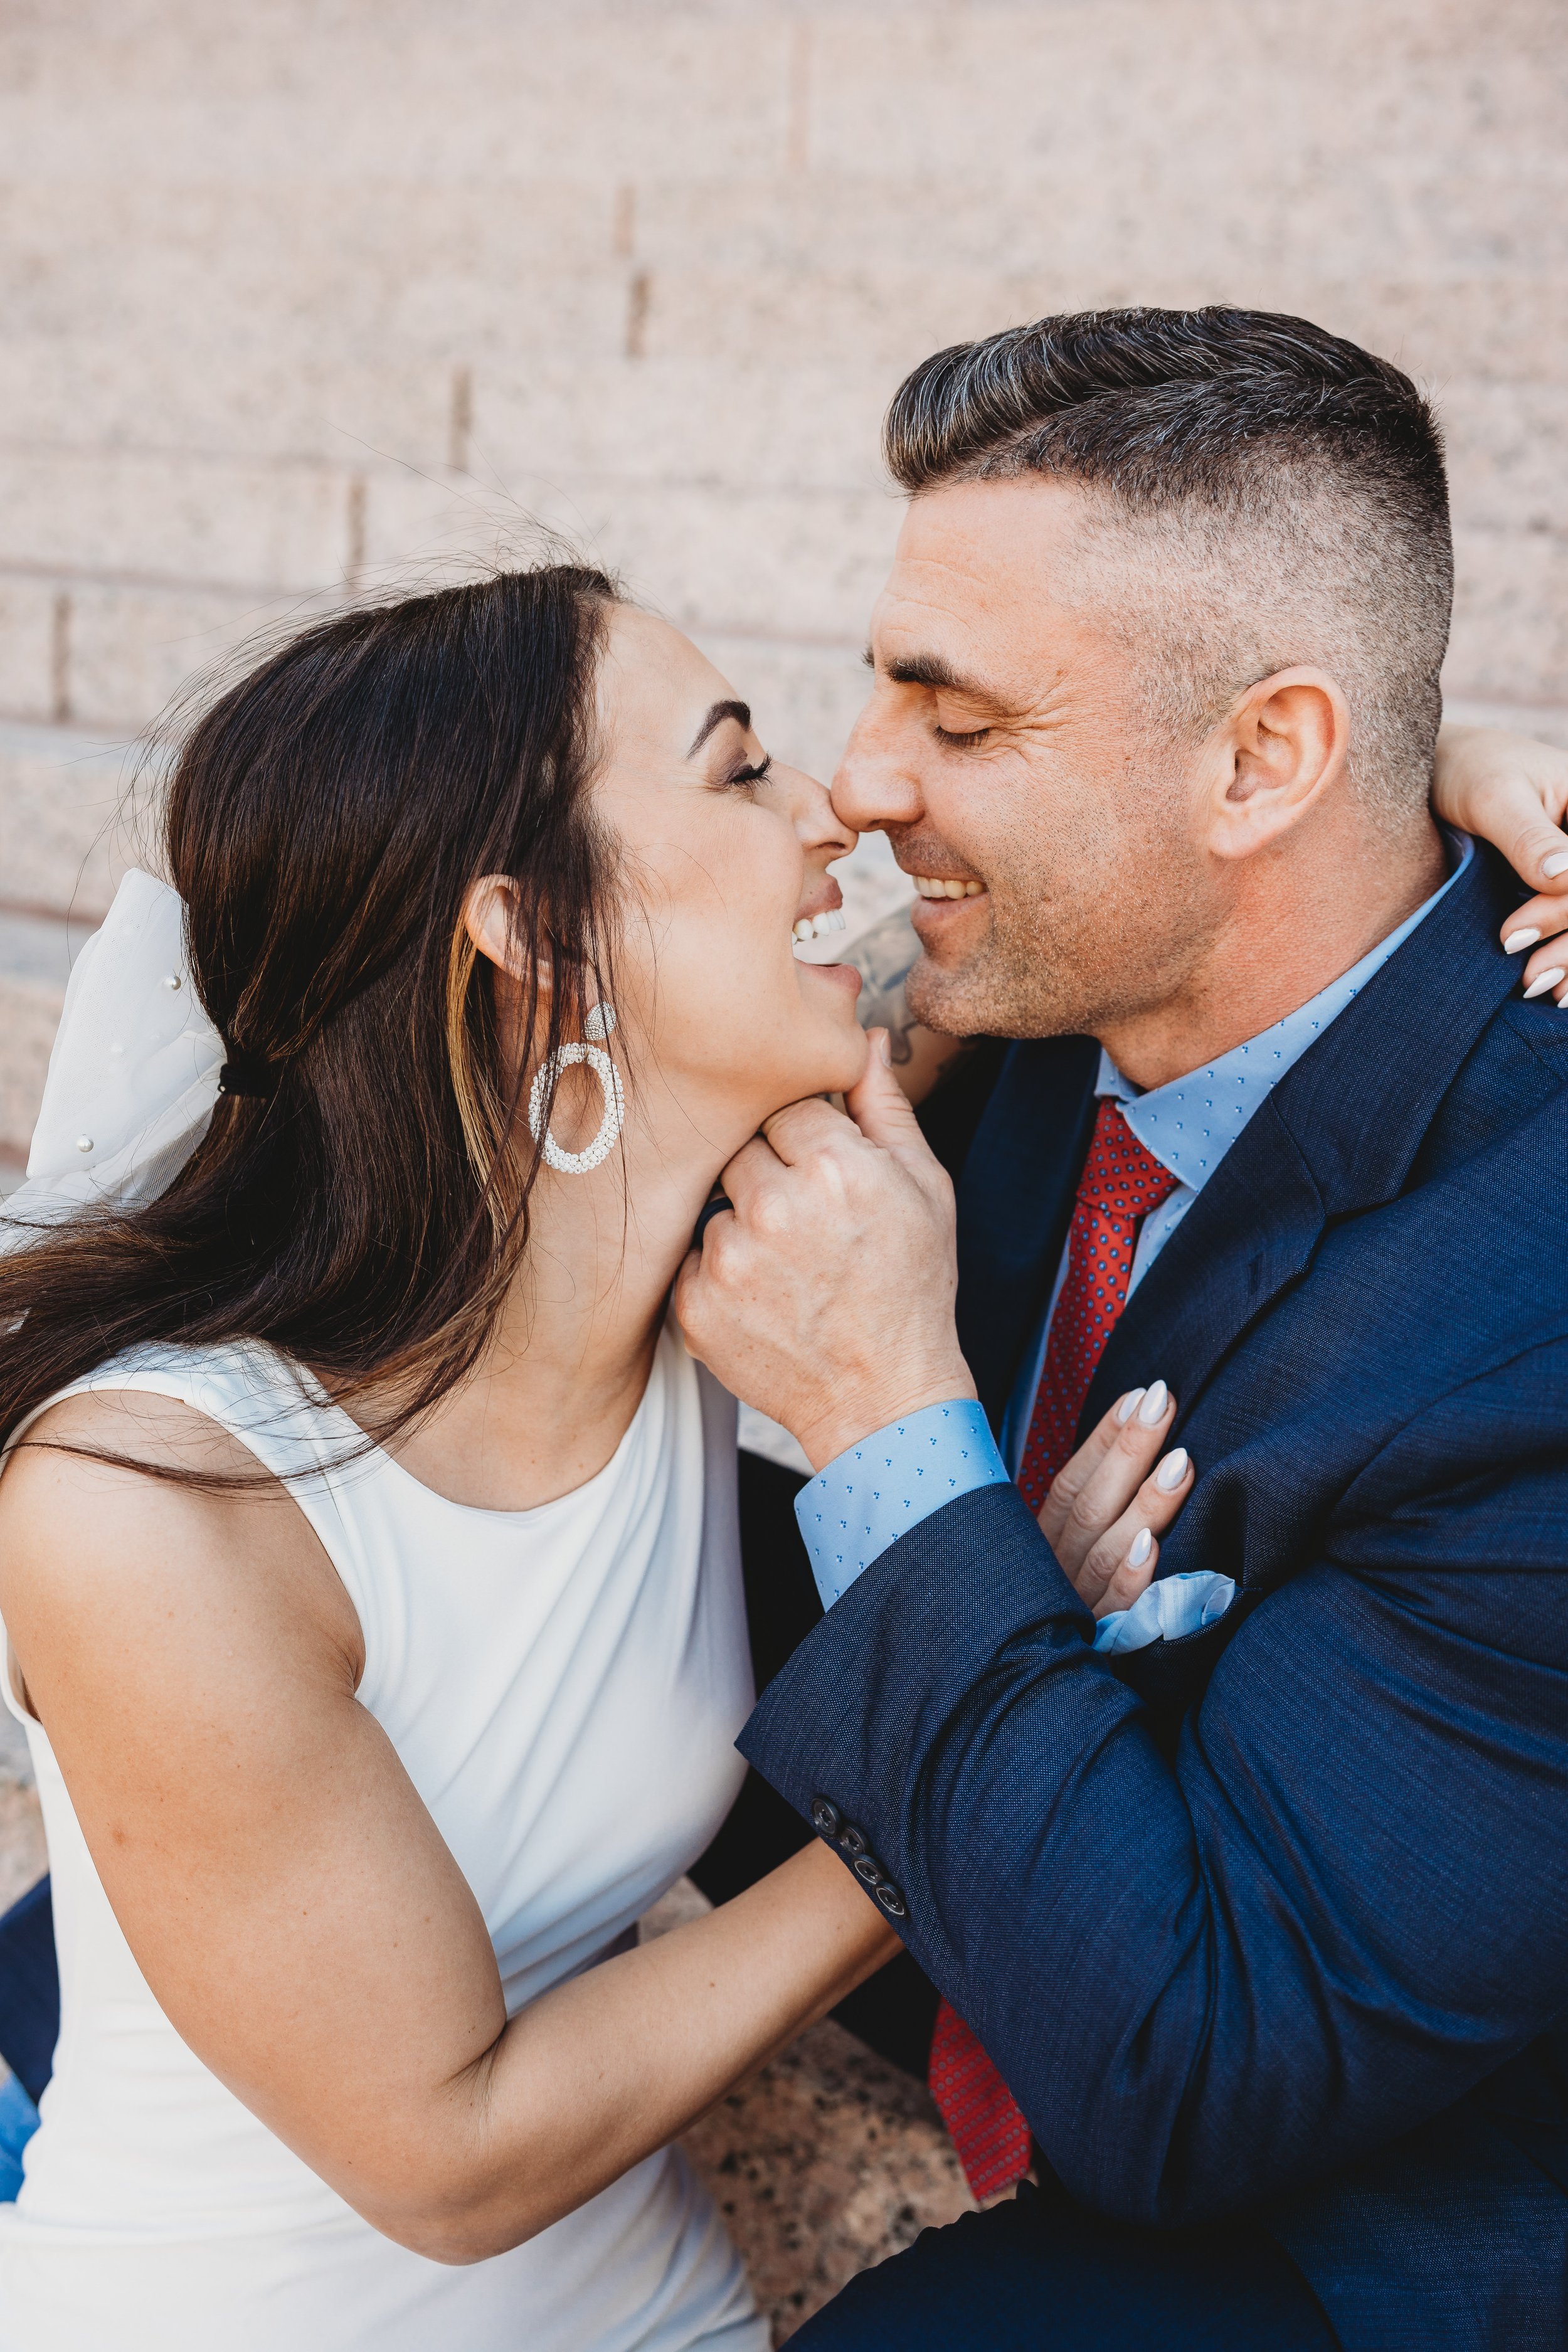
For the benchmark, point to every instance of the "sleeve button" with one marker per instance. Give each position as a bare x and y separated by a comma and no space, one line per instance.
826,1817
890,1899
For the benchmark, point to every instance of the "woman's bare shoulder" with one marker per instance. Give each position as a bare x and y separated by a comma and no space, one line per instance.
164,1431
115,1498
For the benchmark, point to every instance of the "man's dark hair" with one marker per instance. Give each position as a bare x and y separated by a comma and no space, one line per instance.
1297,480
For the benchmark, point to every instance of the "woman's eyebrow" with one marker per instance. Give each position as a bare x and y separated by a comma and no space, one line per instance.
741,712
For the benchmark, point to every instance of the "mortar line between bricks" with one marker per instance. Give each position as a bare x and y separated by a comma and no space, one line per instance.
107,576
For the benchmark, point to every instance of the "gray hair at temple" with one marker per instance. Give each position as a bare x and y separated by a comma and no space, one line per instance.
1269,495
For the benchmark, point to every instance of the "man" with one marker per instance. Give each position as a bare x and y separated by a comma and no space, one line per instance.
1258,1907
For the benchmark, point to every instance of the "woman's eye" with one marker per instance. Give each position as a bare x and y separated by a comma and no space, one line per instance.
753,775
964,742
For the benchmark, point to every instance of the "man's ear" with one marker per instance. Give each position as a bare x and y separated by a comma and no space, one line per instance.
1283,746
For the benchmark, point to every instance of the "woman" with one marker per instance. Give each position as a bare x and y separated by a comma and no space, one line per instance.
367,1547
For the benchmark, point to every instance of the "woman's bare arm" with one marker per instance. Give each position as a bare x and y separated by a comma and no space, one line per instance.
1513,792
292,1903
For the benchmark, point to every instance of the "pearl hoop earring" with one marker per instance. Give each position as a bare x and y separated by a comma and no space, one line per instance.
598,1025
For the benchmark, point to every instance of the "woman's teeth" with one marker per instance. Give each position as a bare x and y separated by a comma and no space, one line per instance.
931,885
816,927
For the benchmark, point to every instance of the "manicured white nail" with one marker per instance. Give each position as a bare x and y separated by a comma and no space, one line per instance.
1552,866
1171,1471
1129,1406
1548,980
1517,941
1139,1549
1152,1408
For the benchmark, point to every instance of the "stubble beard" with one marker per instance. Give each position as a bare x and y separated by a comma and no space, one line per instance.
1061,967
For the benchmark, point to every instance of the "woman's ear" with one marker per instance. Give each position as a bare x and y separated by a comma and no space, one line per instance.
489,912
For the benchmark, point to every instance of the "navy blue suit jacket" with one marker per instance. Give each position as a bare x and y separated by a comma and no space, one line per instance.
1273,1919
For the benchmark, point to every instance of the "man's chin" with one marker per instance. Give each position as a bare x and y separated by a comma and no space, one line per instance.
983,997
944,1002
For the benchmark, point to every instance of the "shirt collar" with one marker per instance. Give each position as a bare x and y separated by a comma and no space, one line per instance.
1190,1123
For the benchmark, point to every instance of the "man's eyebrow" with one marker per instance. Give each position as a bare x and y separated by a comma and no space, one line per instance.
741,712
929,669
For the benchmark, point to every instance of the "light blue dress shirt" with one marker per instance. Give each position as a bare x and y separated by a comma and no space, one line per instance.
876,1492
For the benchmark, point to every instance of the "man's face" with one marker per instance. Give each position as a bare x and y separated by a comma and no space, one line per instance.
1010,742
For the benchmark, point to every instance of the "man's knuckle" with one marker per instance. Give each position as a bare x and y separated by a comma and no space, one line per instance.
771,1217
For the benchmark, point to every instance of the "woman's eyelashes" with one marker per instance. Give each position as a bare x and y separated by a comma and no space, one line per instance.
757,772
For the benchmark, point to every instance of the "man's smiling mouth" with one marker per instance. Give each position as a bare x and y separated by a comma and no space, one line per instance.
937,885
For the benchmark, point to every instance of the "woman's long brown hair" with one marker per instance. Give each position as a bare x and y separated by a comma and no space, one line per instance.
324,822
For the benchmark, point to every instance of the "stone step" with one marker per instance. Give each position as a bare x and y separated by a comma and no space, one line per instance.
260,475
477,93
81,389
1513,325
667,429
1442,316
916,92
1399,208
112,655
712,95
279,525
329,251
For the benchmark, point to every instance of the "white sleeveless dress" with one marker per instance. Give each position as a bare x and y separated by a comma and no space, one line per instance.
563,1686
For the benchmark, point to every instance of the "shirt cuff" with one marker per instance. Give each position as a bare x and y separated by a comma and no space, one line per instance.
875,1492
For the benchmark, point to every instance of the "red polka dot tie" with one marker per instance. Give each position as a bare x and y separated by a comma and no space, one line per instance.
1121,1181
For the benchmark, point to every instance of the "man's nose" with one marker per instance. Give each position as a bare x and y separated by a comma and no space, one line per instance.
875,785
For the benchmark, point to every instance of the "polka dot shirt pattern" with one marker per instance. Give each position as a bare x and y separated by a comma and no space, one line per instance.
864,1501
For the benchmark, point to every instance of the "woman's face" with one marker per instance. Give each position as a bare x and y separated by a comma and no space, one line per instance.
723,851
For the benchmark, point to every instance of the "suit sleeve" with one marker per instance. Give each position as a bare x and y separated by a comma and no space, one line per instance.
1341,1905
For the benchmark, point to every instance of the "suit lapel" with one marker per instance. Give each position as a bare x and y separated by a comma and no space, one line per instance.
1015,1201
1337,1135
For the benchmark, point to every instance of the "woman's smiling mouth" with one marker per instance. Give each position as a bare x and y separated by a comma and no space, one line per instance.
822,913
816,927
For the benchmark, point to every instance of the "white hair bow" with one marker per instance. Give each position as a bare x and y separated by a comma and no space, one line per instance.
133,1075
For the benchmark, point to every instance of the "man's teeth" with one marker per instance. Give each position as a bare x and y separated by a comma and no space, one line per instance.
816,927
931,885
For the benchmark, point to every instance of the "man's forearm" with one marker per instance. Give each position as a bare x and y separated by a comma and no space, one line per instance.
1197,1981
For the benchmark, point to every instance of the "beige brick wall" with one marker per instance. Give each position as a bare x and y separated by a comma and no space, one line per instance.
299,301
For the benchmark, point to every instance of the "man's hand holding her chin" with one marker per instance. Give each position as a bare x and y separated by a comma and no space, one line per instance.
824,1295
